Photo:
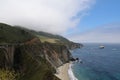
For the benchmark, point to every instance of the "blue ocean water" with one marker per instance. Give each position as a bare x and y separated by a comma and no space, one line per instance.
98,64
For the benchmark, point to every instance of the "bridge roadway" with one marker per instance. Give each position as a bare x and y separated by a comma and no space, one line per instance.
9,44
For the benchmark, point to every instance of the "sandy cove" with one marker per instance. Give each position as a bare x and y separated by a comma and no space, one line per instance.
62,72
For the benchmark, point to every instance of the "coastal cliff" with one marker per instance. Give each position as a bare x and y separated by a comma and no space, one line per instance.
24,52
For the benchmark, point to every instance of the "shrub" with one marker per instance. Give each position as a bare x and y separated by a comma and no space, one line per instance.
8,75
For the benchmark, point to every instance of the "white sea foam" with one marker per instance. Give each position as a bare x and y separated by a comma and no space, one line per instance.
71,74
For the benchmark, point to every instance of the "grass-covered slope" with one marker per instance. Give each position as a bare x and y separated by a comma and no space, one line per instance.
47,39
28,59
9,34
33,60
55,38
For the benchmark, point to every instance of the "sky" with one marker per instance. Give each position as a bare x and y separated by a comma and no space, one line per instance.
78,20
100,25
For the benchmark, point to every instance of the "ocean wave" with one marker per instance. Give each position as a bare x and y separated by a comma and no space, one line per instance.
71,74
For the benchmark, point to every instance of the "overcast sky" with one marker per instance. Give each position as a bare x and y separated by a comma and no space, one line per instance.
78,20
54,16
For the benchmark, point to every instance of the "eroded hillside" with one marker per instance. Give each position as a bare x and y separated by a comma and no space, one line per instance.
22,51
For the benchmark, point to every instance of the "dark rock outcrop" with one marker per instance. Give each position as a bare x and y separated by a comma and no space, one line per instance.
21,50
35,60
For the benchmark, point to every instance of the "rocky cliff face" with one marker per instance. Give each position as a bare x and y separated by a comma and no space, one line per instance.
56,54
22,51
35,60
73,45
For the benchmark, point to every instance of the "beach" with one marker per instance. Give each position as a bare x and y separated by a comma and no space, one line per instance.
62,72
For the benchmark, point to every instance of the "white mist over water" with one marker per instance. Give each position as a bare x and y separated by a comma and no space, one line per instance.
71,74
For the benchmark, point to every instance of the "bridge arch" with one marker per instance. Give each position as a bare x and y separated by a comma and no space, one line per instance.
6,56
2,57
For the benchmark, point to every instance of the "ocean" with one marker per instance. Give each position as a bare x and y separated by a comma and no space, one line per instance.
97,64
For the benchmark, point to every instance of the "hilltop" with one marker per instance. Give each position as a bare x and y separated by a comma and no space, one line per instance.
36,55
52,38
10,34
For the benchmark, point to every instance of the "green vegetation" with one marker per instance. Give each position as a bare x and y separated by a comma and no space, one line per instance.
9,34
8,75
47,39
53,38
35,66
34,60
57,39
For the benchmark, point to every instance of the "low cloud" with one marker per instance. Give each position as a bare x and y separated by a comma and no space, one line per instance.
55,16
104,34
